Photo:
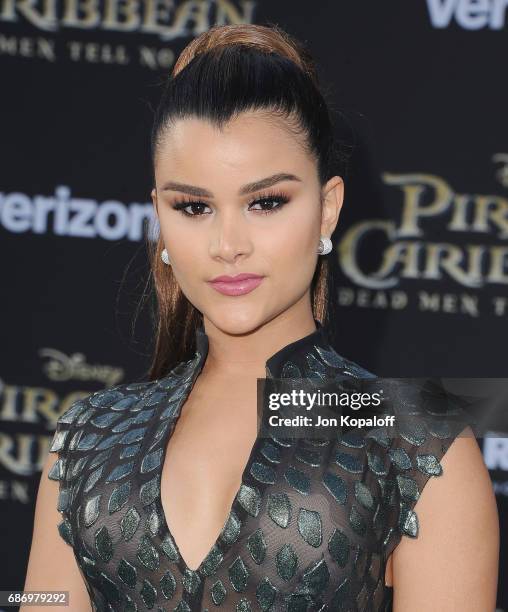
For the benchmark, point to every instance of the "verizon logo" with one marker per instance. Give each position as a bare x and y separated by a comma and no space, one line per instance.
468,14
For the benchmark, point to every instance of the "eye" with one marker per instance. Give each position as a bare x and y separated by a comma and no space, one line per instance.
269,203
277,198
182,206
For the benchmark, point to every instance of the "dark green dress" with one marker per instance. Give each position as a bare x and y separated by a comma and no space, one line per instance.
310,528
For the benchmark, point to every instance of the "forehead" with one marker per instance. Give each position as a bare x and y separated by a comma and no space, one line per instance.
251,142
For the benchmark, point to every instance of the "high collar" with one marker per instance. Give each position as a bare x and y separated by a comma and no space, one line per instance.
292,360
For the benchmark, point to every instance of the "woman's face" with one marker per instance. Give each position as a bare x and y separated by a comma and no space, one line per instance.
248,201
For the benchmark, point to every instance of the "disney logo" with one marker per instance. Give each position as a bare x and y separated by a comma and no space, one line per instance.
74,367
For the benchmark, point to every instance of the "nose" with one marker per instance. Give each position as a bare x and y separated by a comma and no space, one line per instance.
230,237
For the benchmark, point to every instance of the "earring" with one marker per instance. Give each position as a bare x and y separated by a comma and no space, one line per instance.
325,246
165,256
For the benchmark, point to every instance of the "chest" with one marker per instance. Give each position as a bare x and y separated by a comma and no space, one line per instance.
202,472
209,445
204,515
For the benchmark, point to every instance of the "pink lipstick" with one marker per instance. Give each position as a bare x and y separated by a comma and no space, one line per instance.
236,285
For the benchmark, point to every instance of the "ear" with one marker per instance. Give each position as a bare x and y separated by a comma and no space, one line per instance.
332,199
154,200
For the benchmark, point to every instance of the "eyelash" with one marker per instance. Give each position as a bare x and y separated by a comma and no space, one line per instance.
282,198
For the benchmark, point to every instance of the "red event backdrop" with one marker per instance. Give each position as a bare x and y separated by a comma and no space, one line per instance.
421,247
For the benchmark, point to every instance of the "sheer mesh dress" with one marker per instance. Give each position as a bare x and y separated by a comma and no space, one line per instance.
310,529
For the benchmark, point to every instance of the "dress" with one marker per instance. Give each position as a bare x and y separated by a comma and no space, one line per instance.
310,529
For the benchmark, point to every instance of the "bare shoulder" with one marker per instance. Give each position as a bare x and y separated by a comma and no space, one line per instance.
51,565
453,563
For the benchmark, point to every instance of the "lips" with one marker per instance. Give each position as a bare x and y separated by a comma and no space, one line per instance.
225,278
236,285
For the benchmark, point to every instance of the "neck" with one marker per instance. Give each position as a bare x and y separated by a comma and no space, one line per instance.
246,354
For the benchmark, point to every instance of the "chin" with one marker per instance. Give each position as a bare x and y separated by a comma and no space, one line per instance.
241,321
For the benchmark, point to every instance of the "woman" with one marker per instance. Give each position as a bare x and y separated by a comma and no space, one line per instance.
170,499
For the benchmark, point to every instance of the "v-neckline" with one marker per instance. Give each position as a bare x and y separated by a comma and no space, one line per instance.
182,564
273,367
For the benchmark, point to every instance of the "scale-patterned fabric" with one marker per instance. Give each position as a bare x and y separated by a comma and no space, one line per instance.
311,526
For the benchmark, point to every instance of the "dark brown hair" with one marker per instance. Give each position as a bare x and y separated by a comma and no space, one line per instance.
224,71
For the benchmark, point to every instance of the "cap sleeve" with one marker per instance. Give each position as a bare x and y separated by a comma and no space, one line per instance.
62,444
426,424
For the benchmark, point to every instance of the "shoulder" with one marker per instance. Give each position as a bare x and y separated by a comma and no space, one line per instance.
103,408
96,420
465,486
104,426
458,536
127,397
428,441
464,496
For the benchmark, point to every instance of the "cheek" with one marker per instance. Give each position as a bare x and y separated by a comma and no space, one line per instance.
291,247
188,262
182,238
296,234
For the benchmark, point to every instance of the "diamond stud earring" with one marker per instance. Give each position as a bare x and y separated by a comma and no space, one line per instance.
325,246
165,256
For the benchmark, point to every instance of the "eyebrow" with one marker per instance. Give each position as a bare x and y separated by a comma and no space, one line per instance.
245,190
